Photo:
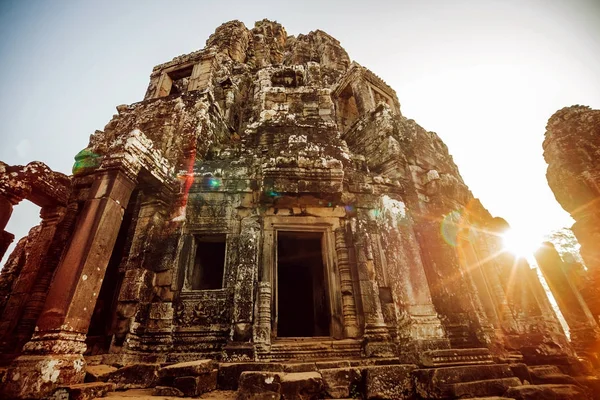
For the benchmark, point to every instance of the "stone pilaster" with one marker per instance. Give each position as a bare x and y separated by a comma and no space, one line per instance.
29,275
351,329
54,355
262,325
376,334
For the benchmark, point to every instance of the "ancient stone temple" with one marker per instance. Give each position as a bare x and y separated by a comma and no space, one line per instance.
266,220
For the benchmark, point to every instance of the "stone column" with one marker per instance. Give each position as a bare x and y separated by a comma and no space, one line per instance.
585,333
420,326
54,356
22,288
262,326
348,304
243,296
376,334
6,238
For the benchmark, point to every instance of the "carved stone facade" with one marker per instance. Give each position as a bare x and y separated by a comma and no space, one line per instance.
266,201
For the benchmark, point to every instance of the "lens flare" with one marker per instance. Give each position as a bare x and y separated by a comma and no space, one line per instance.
450,226
520,243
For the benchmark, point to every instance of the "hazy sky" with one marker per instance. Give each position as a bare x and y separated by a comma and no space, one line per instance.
485,75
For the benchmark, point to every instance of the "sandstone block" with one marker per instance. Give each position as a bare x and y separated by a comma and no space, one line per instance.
302,385
547,392
341,382
83,391
389,382
98,373
196,385
492,387
135,376
259,385
229,374
190,368
167,391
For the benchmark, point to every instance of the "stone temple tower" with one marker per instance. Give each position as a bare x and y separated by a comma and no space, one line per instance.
267,204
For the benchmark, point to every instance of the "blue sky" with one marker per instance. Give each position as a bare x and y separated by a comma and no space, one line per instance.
485,75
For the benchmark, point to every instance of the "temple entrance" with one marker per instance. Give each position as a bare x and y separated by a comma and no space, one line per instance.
302,298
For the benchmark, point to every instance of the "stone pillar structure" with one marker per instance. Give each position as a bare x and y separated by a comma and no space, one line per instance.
22,287
585,333
54,355
6,238
243,298
351,329
377,338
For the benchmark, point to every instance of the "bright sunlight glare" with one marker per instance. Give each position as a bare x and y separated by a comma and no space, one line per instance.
520,242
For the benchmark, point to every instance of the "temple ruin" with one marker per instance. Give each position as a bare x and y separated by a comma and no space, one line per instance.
267,222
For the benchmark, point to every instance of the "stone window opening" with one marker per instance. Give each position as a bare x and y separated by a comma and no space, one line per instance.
209,262
288,78
348,109
180,79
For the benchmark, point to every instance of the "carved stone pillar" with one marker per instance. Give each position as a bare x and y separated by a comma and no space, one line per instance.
419,327
348,304
54,356
376,334
6,238
22,288
585,333
262,326
243,297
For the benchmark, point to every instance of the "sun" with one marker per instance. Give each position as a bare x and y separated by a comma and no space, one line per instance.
520,242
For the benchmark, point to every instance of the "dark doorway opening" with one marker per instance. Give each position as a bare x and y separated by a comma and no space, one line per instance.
302,298
100,332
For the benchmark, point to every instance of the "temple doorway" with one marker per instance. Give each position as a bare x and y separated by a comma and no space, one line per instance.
302,298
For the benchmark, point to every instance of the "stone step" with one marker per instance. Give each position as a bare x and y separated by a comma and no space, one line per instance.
549,374
442,382
490,387
467,373
455,357
547,392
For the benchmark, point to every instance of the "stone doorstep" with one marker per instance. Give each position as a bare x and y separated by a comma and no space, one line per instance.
83,391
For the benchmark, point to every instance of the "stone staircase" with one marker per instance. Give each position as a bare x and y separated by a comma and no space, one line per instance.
441,374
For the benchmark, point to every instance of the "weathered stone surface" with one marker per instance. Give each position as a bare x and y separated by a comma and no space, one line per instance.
341,382
191,368
389,382
134,376
258,385
571,148
167,391
441,382
301,385
96,373
229,373
196,385
547,392
83,391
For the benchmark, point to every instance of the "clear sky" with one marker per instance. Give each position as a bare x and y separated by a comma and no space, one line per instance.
485,75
